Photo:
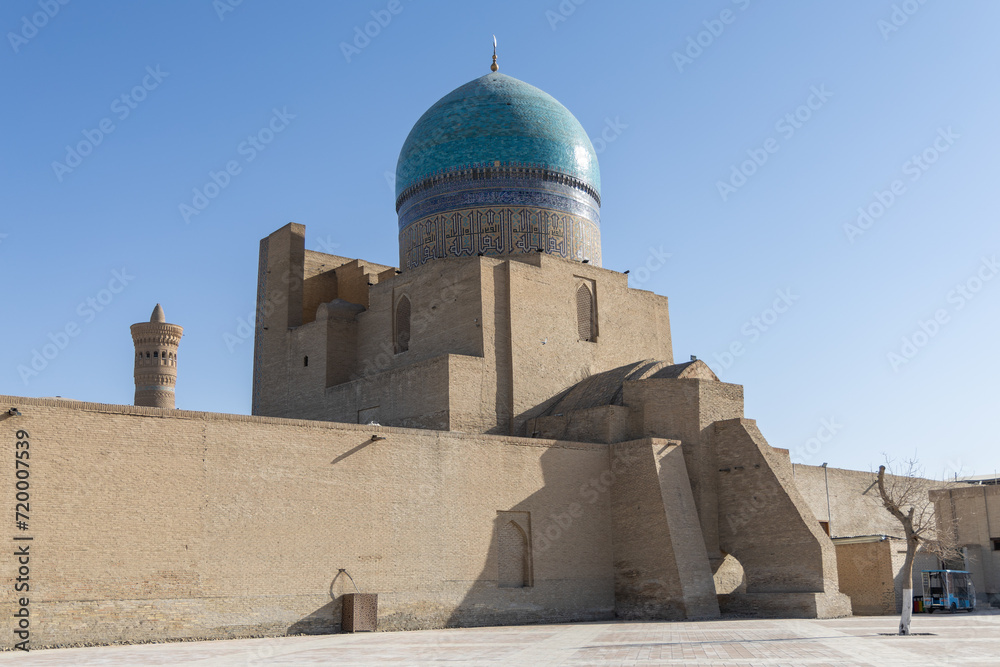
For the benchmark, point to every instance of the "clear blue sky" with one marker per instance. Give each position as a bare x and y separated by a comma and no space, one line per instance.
883,88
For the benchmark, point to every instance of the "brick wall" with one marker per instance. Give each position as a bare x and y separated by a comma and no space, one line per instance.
975,509
516,315
854,504
866,572
153,524
661,566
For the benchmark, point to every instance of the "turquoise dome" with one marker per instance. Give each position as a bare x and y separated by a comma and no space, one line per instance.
497,118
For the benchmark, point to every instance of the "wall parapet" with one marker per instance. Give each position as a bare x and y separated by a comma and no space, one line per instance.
20,402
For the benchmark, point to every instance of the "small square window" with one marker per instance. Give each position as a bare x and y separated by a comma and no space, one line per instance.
996,544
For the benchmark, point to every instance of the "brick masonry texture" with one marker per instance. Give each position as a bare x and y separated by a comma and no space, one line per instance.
642,491
488,351
854,504
495,346
855,509
976,513
155,524
866,576
498,436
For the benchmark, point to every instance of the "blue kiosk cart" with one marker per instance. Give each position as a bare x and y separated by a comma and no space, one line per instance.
948,589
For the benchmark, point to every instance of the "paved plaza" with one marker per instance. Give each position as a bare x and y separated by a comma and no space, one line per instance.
960,639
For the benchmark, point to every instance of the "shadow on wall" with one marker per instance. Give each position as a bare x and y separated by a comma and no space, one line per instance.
549,557
323,621
545,558
327,619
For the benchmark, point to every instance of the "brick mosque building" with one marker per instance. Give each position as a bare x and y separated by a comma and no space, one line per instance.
501,321
495,432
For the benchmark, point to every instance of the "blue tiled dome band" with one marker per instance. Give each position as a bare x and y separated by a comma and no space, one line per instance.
499,230
496,117
516,173
497,167
498,185
496,212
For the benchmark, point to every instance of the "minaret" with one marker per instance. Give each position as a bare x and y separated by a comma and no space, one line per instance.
156,360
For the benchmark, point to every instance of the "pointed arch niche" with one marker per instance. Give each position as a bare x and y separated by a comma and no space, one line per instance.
514,564
586,311
401,325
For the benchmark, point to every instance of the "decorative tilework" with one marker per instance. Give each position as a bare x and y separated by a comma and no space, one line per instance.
499,230
497,183
498,210
496,118
497,167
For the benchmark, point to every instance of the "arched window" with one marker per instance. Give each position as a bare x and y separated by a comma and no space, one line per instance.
585,321
402,325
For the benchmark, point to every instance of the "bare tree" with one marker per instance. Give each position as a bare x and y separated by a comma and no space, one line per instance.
904,493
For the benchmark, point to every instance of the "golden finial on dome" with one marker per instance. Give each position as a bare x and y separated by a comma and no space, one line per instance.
494,66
